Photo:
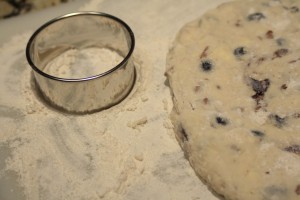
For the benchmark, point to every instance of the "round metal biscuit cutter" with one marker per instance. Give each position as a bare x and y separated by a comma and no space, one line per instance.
78,31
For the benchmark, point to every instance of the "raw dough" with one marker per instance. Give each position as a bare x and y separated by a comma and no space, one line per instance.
234,76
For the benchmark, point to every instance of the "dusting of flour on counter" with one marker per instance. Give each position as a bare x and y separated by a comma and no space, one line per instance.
48,155
81,63
136,124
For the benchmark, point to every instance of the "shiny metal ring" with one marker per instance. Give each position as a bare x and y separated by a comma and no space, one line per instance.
82,30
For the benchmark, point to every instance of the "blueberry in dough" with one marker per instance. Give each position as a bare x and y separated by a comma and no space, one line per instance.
206,65
294,9
277,120
256,16
239,51
257,133
260,87
222,121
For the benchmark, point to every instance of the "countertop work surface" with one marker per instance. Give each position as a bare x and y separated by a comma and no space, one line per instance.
126,152
12,8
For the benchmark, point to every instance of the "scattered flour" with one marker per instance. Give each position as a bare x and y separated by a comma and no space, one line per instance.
81,63
138,123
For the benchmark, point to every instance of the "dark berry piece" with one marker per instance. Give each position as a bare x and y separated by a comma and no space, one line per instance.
277,120
240,51
260,60
280,52
294,9
296,115
256,16
284,87
298,189
269,34
257,133
260,87
238,23
293,149
206,65
222,121
205,101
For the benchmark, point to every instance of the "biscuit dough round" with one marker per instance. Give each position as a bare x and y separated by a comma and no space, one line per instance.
234,77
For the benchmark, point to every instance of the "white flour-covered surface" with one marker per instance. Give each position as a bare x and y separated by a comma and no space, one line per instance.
126,152
81,63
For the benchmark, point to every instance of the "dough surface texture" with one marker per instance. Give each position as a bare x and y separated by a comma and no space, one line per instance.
234,77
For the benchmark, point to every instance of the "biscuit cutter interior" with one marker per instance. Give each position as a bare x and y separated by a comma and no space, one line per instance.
78,31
